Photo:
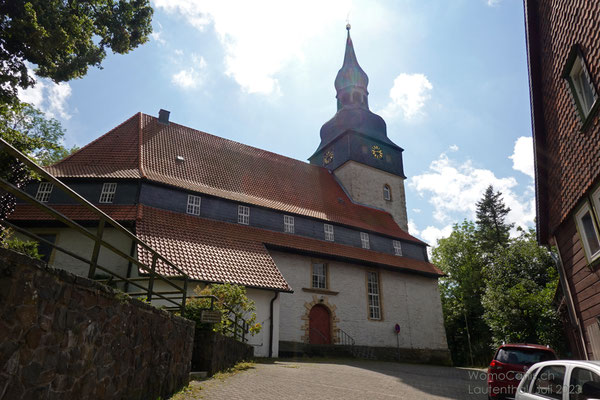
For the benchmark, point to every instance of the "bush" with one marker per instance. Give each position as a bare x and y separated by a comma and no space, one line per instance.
233,296
10,242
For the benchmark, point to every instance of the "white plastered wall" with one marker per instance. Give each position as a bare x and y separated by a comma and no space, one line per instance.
412,301
365,184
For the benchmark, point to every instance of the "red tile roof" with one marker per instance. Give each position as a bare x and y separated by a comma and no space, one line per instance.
25,212
143,147
218,251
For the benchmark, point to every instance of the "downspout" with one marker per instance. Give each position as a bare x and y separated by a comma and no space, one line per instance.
567,290
271,325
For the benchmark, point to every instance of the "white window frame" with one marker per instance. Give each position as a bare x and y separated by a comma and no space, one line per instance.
329,233
288,224
397,247
581,84
194,204
387,192
364,240
44,191
108,193
243,215
583,234
319,281
374,295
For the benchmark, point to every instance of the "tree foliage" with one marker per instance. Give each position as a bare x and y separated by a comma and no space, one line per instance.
231,299
492,229
64,38
460,258
496,288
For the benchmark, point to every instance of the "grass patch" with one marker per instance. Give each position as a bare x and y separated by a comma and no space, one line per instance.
191,392
239,367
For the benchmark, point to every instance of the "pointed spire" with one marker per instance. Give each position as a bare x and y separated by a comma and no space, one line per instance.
351,78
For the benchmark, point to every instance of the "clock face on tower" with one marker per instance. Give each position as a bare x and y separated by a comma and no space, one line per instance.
376,151
328,157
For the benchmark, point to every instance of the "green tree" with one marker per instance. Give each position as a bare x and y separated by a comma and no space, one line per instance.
460,258
232,299
492,229
521,281
63,38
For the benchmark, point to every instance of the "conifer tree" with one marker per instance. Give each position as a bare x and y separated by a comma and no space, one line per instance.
492,229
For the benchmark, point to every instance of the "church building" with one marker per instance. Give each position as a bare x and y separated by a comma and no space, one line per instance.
322,247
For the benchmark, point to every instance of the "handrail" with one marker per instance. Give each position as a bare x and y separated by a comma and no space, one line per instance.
345,339
238,321
99,242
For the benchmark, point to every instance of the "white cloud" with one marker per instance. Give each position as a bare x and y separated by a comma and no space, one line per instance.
259,37
453,148
493,3
191,77
522,156
408,96
453,188
432,234
157,33
412,228
48,97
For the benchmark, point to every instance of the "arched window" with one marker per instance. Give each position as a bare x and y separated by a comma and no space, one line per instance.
387,193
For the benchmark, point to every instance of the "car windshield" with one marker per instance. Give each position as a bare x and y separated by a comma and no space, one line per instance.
511,355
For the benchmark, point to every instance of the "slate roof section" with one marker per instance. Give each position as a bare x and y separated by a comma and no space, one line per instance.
218,251
222,168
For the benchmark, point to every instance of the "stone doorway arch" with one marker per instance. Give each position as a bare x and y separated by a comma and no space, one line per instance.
322,301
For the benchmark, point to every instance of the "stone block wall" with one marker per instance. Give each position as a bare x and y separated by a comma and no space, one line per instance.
214,352
67,337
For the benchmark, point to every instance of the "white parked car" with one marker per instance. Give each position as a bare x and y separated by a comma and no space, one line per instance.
562,380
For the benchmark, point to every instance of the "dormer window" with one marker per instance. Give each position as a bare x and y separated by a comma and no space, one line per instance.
193,204
43,193
108,193
387,193
580,83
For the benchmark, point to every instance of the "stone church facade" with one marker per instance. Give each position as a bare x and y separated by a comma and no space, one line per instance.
323,247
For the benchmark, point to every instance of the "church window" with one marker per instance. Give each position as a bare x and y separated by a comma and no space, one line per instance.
588,231
328,232
387,193
580,83
288,224
397,247
108,193
193,204
373,295
319,275
243,215
364,240
43,193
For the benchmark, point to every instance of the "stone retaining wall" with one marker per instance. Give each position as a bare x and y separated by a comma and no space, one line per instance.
214,352
67,337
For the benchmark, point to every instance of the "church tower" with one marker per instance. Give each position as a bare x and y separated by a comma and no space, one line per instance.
355,147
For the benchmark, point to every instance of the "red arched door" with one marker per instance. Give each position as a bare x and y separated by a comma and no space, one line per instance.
319,322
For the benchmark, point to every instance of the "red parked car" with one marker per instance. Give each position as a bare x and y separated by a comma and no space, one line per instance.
509,365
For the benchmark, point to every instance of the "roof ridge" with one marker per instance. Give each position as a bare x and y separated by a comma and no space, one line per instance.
95,140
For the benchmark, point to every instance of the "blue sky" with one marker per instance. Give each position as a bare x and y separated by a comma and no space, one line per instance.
449,77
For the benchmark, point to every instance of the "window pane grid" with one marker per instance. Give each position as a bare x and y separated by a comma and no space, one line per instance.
364,240
288,224
243,215
43,193
319,276
108,192
193,205
397,248
373,295
329,232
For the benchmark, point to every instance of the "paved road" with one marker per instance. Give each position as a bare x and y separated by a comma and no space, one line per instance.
346,380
